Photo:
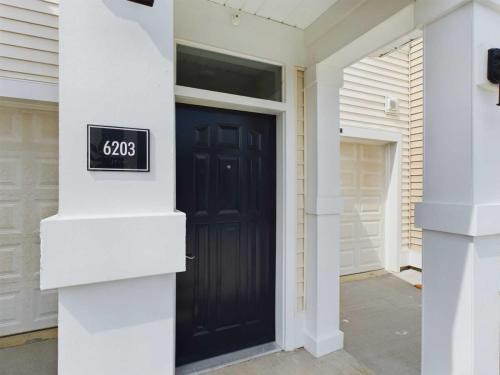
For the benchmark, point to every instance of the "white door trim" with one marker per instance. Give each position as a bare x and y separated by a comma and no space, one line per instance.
392,212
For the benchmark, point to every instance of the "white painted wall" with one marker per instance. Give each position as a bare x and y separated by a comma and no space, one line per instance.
117,314
459,216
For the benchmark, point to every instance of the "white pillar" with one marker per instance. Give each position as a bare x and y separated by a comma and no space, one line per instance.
461,210
323,208
117,242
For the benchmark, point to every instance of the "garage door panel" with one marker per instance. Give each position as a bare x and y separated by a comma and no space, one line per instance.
370,257
44,132
45,311
11,217
47,174
346,260
41,209
11,262
10,171
371,180
348,181
349,205
362,221
371,205
347,231
11,121
348,151
11,313
28,193
371,153
370,229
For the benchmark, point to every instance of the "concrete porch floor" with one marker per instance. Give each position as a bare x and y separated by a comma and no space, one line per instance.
380,316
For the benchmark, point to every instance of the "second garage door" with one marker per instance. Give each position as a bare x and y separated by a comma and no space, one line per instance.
28,193
363,171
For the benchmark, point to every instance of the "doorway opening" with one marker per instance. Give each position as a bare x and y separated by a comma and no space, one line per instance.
226,185
381,154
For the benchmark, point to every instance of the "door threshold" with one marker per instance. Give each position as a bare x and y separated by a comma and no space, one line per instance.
224,360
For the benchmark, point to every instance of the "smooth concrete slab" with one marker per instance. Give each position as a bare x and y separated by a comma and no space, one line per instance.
38,358
380,316
298,362
381,321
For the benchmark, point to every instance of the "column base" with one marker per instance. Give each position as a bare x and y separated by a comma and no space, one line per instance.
320,346
118,328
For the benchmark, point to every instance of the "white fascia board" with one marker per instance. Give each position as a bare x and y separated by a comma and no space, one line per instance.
381,26
331,17
428,11
29,90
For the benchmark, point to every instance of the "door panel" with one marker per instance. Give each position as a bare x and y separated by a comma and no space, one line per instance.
226,183
363,174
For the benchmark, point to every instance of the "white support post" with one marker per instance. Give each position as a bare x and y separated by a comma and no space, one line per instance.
114,248
323,208
461,209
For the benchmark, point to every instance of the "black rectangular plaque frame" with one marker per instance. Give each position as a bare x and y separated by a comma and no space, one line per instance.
145,153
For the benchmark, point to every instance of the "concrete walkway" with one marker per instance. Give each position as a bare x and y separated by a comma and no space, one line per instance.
298,362
380,316
381,320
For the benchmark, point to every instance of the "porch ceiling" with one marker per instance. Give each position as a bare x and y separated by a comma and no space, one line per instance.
297,13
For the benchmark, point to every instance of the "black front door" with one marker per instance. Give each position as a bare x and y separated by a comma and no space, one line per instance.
226,185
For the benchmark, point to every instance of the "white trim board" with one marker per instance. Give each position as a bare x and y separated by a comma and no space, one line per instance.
29,90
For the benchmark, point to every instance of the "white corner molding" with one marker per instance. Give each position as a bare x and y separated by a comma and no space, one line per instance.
29,90
428,11
86,250
467,220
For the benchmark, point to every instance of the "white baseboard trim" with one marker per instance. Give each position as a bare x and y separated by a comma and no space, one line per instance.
299,330
321,346
411,258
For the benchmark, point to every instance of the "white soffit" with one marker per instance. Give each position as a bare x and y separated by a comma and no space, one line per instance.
296,13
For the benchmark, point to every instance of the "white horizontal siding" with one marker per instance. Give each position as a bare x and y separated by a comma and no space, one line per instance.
362,104
29,39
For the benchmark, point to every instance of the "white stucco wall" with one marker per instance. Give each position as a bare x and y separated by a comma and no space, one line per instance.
117,69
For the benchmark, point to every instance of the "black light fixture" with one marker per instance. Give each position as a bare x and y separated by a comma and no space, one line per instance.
494,68
149,3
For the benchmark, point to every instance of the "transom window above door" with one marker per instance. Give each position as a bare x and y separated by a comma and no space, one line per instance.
214,71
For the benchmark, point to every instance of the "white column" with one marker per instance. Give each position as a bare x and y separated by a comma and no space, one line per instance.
461,210
117,241
323,208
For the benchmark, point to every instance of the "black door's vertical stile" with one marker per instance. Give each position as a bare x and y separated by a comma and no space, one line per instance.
226,185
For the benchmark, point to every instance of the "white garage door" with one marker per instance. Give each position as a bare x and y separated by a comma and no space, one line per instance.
363,174
28,193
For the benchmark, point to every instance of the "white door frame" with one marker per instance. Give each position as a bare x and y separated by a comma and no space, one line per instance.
285,269
392,212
